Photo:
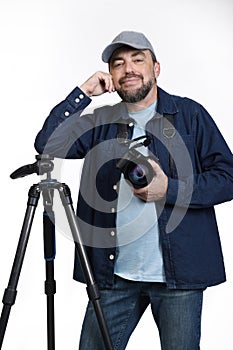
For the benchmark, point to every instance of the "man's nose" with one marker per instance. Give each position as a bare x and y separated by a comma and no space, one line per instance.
129,68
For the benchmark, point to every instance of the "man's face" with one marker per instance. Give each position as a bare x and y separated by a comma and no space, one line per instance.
134,73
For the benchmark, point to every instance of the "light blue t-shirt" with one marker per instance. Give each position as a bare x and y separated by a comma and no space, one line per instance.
139,255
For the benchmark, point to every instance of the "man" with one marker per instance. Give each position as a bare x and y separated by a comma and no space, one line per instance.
157,244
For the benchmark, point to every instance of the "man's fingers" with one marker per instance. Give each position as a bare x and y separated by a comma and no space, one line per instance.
109,86
155,166
98,83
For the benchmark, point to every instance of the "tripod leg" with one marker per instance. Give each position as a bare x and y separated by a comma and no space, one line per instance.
92,288
50,290
49,255
10,292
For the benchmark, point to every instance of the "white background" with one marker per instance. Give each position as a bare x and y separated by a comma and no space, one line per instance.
47,48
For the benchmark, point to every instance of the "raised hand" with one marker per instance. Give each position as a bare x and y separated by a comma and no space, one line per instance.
98,84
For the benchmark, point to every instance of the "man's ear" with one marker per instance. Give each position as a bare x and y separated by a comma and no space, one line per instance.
156,69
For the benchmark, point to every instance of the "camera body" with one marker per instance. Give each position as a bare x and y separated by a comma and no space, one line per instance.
136,168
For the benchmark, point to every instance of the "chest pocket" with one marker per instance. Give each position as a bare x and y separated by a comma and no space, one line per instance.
180,149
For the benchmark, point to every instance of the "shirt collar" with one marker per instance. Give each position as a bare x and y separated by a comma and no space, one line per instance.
166,103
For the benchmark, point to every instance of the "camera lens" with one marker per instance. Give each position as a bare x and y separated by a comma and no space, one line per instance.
136,168
138,174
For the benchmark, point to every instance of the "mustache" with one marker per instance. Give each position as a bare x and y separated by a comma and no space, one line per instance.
130,75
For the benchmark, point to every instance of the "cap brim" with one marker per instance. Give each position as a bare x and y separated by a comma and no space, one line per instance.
108,51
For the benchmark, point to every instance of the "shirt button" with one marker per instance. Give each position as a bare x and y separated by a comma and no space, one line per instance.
111,257
112,233
67,113
113,210
131,124
77,100
115,187
81,96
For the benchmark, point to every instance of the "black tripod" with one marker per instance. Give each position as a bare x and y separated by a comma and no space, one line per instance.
42,166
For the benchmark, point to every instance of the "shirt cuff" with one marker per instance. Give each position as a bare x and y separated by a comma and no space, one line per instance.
78,99
172,191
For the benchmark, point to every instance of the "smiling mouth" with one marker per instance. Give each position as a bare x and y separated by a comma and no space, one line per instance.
130,78
130,81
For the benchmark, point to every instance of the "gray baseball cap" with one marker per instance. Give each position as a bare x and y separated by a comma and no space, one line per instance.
133,39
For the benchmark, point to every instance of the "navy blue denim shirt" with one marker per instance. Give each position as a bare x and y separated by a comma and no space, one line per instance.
202,177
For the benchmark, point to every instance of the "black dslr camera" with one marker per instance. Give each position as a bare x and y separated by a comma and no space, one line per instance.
135,166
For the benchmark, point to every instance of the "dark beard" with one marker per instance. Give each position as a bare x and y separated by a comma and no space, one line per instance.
137,95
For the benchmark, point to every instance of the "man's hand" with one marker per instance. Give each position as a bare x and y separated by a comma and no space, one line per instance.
157,188
98,84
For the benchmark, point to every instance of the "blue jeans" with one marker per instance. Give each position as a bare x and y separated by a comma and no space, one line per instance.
177,314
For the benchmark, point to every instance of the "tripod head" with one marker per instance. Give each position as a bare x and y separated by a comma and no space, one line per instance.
43,165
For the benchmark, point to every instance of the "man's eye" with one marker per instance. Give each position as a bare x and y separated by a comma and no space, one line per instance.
117,64
139,60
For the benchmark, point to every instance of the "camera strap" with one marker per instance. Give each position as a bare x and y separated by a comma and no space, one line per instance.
122,132
169,132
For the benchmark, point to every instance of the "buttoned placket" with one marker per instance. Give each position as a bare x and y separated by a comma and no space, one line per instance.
113,210
115,186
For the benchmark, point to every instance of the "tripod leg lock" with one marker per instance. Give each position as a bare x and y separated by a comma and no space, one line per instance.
9,296
34,195
93,292
50,287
